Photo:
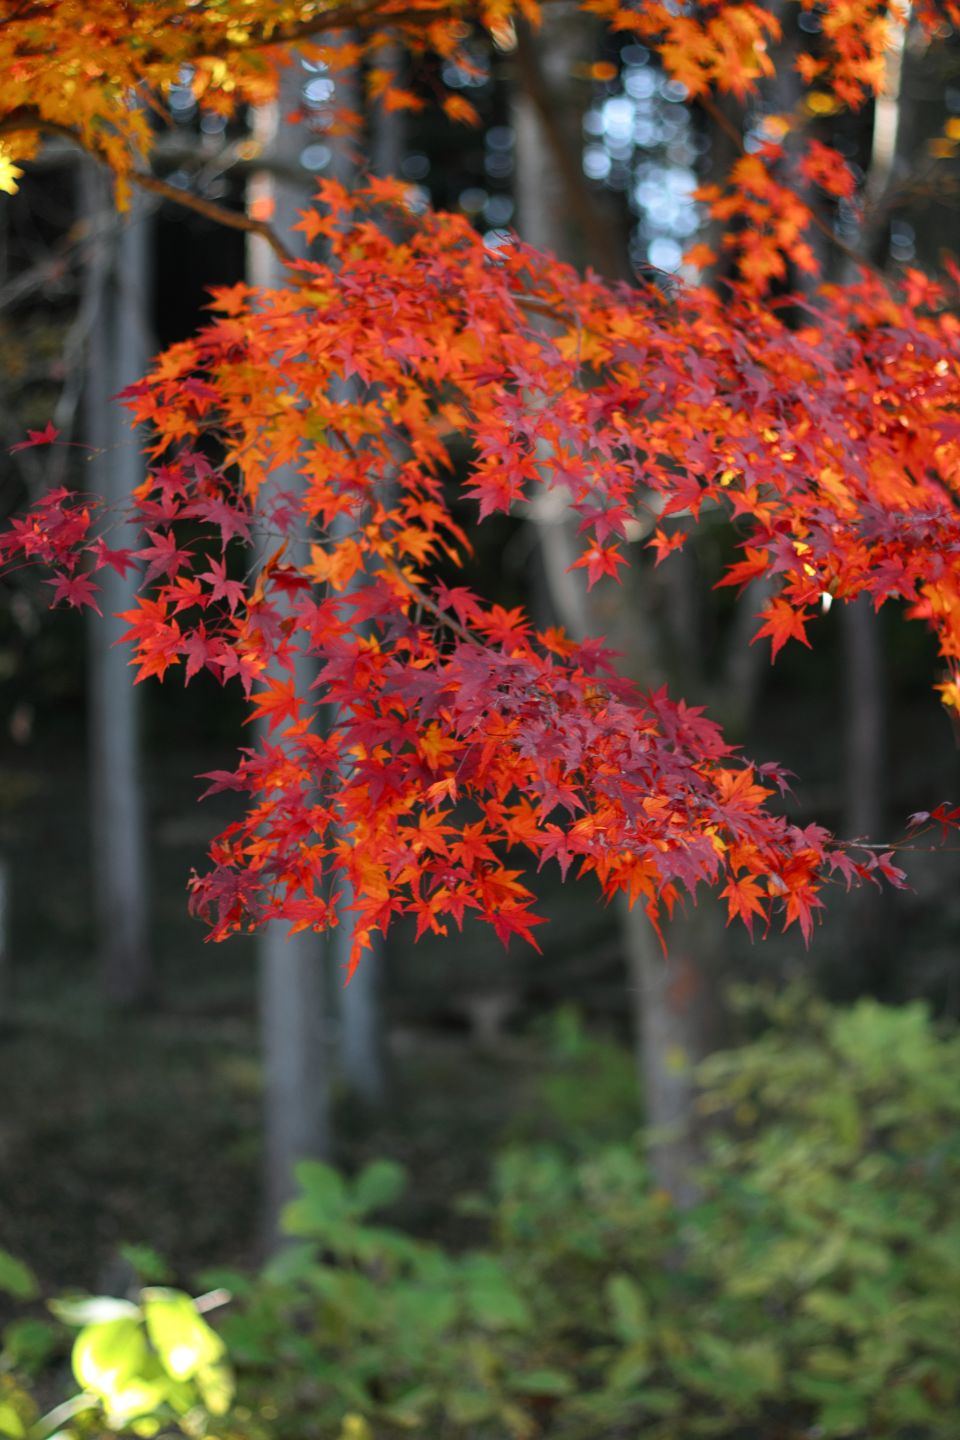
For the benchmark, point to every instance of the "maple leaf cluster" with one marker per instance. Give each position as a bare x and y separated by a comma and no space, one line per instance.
74,66
726,45
441,733
775,221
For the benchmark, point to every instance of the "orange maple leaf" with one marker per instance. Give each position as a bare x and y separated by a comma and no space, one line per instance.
782,623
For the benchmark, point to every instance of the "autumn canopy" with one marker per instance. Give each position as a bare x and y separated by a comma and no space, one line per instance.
413,366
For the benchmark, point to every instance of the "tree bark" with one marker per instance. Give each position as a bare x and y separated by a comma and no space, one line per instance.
675,997
677,1021
117,301
292,983
557,210
362,1051
362,1047
296,1099
913,218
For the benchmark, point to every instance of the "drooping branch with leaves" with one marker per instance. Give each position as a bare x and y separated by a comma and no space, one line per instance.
446,740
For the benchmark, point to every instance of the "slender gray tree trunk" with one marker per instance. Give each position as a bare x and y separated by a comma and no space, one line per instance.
362,1040
863,684
292,984
869,949
295,1064
677,1021
914,217
655,624
118,351
674,997
362,1050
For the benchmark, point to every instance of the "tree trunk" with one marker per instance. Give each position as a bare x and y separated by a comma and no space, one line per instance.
675,999
914,219
362,1048
362,1051
118,352
677,1021
556,208
292,984
296,1097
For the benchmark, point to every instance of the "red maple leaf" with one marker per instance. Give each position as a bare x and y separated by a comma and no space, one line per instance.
76,590
600,560
232,521
164,556
222,588
119,560
46,436
196,647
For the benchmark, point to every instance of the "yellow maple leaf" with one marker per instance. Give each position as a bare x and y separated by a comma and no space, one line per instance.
336,566
435,747
9,174
950,695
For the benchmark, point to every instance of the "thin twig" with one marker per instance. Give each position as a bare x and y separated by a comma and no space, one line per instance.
51,268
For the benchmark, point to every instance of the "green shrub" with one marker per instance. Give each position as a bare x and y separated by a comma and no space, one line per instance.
585,1093
813,1291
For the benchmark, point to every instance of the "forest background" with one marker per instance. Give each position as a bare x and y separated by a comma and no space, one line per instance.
157,1089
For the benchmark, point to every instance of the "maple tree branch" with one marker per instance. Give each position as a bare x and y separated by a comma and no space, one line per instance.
540,307
233,219
24,119
26,10
230,158
351,17
422,598
202,163
357,16
346,17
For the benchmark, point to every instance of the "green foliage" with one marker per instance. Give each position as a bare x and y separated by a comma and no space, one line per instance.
353,1318
141,1367
587,1092
811,1291
16,1278
146,1264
